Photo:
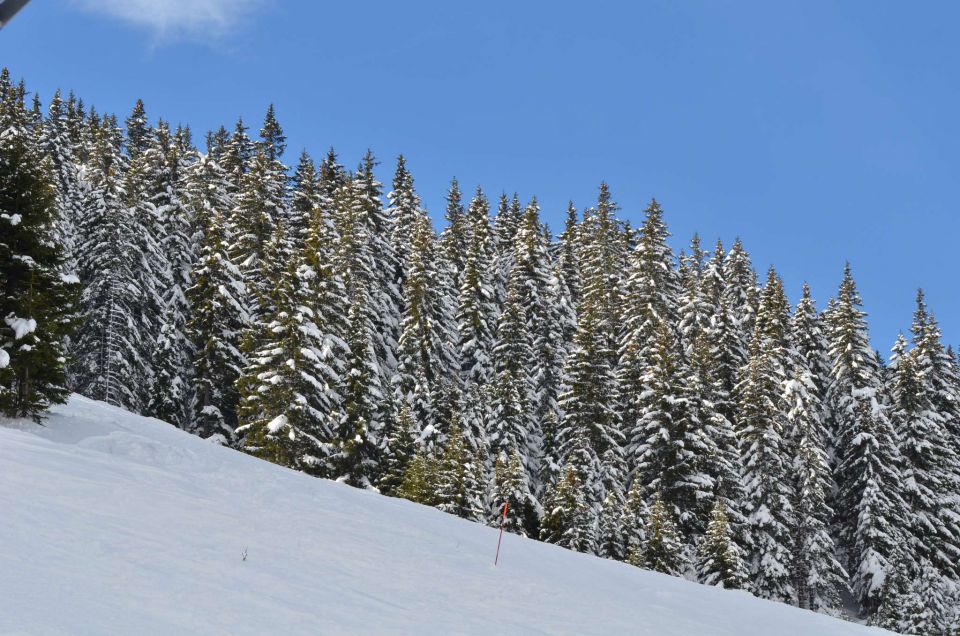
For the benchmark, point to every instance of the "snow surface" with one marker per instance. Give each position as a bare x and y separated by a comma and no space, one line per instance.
111,523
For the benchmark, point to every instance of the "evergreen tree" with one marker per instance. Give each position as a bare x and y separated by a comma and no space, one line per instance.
37,301
533,275
661,550
421,479
923,400
568,256
357,453
235,158
305,196
110,362
511,485
399,452
633,519
567,520
367,264
768,497
258,209
424,354
456,237
217,310
719,561
57,144
868,476
819,579
611,539
741,294
590,425
139,133
405,214
511,413
476,309
914,599
459,491
285,413
170,395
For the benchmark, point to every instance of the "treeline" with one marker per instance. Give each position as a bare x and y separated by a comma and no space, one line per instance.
669,411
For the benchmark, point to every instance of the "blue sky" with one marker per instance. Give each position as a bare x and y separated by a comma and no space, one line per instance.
816,131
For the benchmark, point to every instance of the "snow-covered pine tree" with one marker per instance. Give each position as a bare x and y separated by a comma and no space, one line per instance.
217,312
741,293
768,496
304,198
421,479
459,491
590,426
611,538
633,519
819,579
37,304
367,264
57,144
511,485
139,133
405,214
455,238
285,413
915,599
259,206
533,273
235,158
567,519
711,464
719,561
926,405
330,174
357,454
476,309
424,354
568,255
693,307
398,454
661,550
170,394
602,258
649,304
868,501
506,222
512,410
651,439
928,458
109,359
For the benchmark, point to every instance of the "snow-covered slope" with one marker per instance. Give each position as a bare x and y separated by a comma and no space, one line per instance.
112,523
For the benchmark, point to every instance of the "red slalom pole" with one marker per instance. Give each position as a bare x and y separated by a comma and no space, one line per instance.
502,520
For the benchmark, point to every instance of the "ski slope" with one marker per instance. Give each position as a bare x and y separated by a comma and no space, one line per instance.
111,523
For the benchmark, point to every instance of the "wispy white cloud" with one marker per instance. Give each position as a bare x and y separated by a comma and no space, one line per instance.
176,19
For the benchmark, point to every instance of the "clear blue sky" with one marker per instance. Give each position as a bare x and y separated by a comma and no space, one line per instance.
816,131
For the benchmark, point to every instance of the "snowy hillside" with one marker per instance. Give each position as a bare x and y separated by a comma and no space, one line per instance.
114,523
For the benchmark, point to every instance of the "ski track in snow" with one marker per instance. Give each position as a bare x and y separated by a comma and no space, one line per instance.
118,524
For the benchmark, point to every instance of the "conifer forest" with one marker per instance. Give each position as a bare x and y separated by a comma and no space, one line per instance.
671,410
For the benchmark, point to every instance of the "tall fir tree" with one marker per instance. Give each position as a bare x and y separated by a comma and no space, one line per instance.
476,308
868,500
286,389
661,550
567,520
38,299
719,561
110,362
768,496
819,579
